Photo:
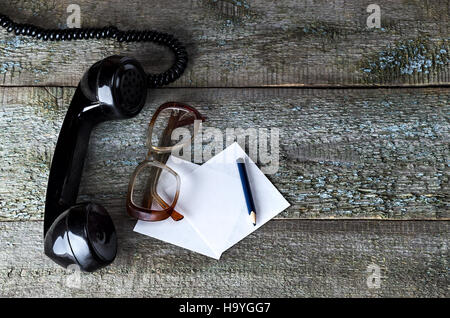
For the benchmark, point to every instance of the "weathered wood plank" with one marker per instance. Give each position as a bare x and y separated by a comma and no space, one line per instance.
243,43
365,153
295,258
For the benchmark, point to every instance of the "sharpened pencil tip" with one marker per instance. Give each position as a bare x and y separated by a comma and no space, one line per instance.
253,217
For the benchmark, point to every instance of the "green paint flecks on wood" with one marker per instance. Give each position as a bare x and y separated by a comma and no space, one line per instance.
285,258
343,153
230,42
8,47
406,58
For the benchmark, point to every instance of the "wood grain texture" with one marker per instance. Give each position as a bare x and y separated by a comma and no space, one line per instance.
361,153
295,258
344,153
244,43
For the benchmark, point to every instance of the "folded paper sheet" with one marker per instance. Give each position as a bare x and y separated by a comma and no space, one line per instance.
212,202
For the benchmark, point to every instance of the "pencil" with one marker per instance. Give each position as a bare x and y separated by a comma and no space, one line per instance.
247,190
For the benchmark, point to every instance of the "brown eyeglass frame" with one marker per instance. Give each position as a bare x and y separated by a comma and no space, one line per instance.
146,213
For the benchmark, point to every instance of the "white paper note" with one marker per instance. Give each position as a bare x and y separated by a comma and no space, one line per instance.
213,204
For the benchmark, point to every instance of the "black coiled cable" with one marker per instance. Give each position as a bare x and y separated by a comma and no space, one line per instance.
111,32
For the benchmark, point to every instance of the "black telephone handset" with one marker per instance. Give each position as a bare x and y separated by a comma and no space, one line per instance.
84,234
114,88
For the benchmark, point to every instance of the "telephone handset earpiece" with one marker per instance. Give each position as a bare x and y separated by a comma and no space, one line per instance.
114,88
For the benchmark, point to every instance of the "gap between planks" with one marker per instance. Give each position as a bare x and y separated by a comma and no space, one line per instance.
281,86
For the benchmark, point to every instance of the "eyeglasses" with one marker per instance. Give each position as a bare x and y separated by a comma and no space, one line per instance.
154,187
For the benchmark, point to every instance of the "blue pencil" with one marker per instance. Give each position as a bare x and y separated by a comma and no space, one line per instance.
247,191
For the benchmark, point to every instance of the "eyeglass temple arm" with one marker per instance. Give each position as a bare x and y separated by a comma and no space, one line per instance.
163,158
174,214
150,189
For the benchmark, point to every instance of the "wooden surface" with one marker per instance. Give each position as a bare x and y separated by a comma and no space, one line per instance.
349,150
245,43
297,258
343,153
